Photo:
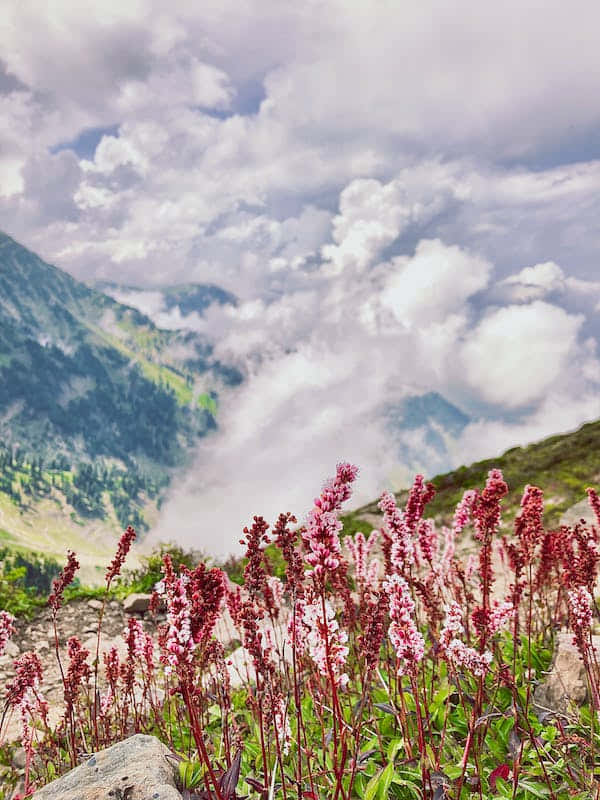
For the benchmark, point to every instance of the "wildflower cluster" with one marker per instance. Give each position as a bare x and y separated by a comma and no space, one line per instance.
406,639
369,664
7,629
64,579
323,526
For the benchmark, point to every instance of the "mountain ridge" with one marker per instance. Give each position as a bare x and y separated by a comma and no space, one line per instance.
98,405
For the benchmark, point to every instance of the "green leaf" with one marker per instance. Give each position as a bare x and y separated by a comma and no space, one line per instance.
372,785
191,773
394,748
453,771
536,789
385,781
408,784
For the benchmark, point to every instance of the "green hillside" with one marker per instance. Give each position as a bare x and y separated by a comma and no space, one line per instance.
563,466
97,404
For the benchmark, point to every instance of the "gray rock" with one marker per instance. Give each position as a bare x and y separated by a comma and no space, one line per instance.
139,762
95,605
18,758
566,683
11,650
136,603
576,513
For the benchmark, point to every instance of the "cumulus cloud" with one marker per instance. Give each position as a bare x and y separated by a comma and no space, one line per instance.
547,276
516,353
434,283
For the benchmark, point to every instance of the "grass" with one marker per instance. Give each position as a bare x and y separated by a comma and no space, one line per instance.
157,373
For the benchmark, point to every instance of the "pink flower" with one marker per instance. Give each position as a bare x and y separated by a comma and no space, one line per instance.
428,540
360,550
529,526
106,701
418,497
7,629
124,546
148,654
499,617
234,600
402,549
449,546
277,588
453,626
462,513
486,508
112,667
460,655
257,644
179,644
297,631
64,579
406,639
281,723
373,634
324,634
28,675
454,650
580,606
323,526
134,636
78,671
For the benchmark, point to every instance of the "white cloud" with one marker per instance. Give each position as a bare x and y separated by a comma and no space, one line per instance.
547,276
516,353
434,283
371,216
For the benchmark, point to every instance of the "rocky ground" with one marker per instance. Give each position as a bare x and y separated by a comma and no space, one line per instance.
78,618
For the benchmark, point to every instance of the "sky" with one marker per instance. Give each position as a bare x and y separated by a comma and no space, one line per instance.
404,197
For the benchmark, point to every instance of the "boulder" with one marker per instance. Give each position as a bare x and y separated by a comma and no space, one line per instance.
580,511
106,644
138,762
11,650
566,683
136,603
95,605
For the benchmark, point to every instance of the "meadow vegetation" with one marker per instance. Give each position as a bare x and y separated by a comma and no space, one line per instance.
374,666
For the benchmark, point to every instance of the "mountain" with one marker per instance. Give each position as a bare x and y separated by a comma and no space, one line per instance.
189,298
97,404
196,297
563,466
432,419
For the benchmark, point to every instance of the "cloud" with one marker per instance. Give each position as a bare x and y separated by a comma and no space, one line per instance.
434,283
515,354
372,215
548,276
322,365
